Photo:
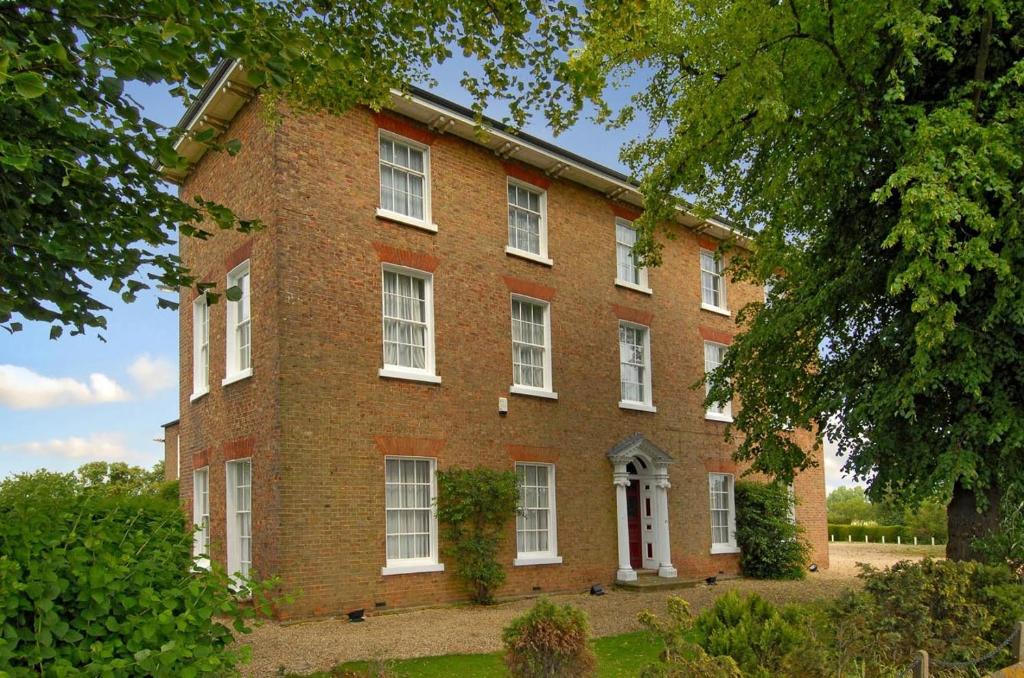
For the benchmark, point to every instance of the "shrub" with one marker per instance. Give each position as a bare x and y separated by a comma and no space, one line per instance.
1006,546
771,545
874,533
750,630
548,641
474,507
681,657
954,610
100,585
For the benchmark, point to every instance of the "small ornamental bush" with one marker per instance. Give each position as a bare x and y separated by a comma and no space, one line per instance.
956,611
549,641
771,545
474,508
680,656
100,584
750,630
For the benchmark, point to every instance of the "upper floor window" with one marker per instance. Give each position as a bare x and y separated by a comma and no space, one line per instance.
635,366
723,513
239,326
201,515
527,222
405,181
627,273
408,324
239,516
410,524
535,522
531,347
200,346
714,355
712,282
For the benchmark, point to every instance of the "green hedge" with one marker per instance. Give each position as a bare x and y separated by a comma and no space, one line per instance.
874,533
100,585
771,545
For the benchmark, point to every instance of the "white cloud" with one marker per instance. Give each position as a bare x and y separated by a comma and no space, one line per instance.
23,389
834,476
96,447
153,374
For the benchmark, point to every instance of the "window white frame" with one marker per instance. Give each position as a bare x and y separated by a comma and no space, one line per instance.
541,255
425,222
646,403
545,391
411,565
728,498
200,347
714,353
548,556
201,516
396,371
238,495
623,249
238,354
712,283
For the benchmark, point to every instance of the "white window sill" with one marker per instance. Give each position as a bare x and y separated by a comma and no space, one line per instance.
200,564
535,392
198,394
640,407
523,254
721,549
537,560
408,221
237,376
392,373
715,416
633,286
389,570
716,309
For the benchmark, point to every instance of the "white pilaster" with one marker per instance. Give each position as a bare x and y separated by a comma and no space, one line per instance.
621,481
662,485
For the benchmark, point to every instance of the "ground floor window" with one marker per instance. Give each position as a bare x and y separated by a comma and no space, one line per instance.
239,516
535,524
409,491
723,513
201,515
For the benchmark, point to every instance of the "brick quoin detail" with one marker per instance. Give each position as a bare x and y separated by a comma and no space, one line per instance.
404,128
708,243
625,212
417,260
517,171
717,336
239,255
239,449
528,289
633,315
409,447
544,455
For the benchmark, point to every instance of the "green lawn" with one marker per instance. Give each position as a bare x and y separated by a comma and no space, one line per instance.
617,656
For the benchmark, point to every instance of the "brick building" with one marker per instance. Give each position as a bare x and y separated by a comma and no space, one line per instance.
423,297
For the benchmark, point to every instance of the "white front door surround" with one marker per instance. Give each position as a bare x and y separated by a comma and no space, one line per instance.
649,466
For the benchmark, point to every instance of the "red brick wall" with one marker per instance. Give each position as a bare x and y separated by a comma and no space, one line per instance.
321,419
171,452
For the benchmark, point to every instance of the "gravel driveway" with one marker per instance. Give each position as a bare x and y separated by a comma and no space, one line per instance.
321,644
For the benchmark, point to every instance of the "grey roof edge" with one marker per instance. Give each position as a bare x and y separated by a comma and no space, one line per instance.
173,422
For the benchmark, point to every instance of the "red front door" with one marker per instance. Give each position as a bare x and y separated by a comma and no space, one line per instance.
633,520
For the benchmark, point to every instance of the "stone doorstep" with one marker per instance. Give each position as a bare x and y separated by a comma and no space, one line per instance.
650,581
1015,671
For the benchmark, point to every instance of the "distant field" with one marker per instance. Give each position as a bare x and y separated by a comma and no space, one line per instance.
844,556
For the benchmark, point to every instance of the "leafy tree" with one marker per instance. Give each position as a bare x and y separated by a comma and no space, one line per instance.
82,194
119,478
873,151
847,504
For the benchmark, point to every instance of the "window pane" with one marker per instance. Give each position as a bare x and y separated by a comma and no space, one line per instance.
408,499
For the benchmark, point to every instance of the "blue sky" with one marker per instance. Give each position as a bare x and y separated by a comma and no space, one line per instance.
78,399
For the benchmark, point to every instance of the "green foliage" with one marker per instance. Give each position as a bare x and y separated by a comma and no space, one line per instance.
954,610
750,630
681,656
474,507
771,544
1006,546
119,478
548,641
99,585
79,177
849,504
874,534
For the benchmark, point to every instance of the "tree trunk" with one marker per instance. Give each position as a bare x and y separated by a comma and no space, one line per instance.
965,522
